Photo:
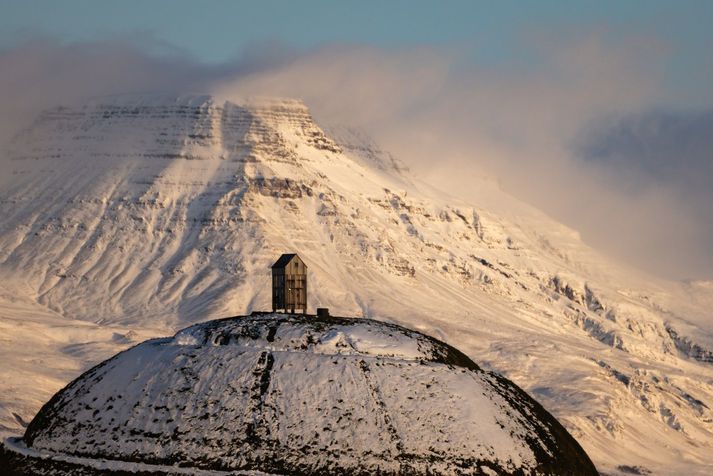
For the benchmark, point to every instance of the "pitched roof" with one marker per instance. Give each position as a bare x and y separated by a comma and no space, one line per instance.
284,260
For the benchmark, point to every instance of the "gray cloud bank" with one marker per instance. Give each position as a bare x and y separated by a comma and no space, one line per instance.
668,154
564,132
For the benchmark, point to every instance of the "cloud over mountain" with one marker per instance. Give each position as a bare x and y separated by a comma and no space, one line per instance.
437,110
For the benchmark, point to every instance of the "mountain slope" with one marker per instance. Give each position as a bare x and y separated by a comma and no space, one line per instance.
157,211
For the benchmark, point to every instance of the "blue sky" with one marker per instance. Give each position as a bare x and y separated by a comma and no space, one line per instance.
217,30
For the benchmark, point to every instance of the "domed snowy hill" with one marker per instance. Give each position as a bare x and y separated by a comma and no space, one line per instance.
291,394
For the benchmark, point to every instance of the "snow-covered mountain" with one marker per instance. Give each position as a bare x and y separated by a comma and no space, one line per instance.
296,395
134,216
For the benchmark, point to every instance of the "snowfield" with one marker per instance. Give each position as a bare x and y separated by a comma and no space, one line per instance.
131,217
301,395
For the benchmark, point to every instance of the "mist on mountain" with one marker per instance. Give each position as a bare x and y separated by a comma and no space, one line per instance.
437,111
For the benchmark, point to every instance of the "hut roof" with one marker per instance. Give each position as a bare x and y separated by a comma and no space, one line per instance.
284,260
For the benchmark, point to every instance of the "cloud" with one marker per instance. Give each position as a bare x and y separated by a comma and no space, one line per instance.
41,73
532,124
664,159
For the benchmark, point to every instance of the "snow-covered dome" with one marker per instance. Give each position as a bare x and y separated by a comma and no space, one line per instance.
289,394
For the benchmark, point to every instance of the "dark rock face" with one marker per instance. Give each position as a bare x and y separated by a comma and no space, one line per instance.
301,395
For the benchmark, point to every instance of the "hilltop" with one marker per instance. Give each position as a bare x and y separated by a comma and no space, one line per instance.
298,395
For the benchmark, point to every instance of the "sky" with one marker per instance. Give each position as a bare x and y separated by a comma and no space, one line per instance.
598,112
219,31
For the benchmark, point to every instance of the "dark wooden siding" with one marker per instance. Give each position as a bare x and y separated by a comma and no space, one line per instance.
289,284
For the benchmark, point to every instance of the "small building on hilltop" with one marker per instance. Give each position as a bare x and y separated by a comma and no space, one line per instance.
289,284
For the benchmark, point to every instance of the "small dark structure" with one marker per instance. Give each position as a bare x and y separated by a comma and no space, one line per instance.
289,284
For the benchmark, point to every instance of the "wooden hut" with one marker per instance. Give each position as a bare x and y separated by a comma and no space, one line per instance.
289,284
